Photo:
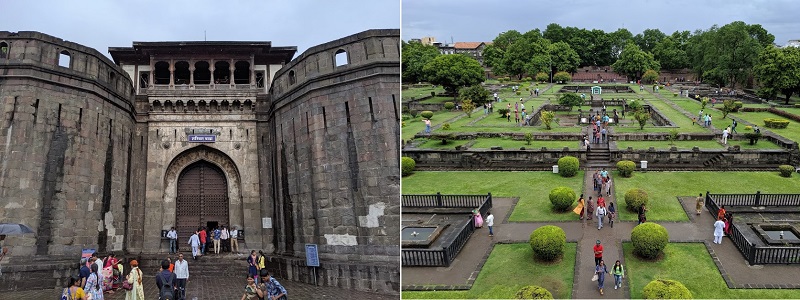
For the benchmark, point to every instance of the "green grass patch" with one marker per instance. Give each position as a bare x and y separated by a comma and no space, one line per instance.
744,144
509,268
414,126
508,143
437,144
791,132
417,93
664,187
532,188
692,265
440,99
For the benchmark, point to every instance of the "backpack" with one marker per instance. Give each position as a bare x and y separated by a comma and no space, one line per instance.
66,295
167,289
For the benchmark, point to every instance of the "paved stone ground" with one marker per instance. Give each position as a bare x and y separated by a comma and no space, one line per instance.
202,288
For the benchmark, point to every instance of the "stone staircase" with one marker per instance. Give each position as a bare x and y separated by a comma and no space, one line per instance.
222,265
598,157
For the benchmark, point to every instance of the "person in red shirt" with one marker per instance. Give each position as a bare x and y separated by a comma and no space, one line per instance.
202,234
598,253
601,201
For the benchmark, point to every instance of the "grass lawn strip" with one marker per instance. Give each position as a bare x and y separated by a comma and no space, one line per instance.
509,144
691,264
744,144
509,268
417,93
532,188
664,187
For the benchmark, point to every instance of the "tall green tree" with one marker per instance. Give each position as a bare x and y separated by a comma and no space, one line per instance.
415,57
633,62
778,70
648,39
454,71
476,93
619,39
563,57
726,55
527,55
670,55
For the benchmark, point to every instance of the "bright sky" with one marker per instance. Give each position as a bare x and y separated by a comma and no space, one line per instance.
102,24
480,20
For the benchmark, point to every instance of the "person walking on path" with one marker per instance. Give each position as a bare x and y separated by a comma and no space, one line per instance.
719,226
427,125
642,214
194,242
135,280
619,272
589,209
725,136
601,213
581,208
733,127
608,186
600,270
234,240
699,205
182,276
598,253
490,222
612,214
252,265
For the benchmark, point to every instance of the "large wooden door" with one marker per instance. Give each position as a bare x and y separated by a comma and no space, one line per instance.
202,198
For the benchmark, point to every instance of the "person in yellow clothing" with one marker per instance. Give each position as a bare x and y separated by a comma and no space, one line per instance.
262,260
74,290
135,279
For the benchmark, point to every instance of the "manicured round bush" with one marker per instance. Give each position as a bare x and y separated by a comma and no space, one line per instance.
634,198
534,292
449,105
568,166
518,93
446,126
427,114
503,112
748,128
786,170
649,239
548,242
666,289
625,168
562,198
407,165
413,113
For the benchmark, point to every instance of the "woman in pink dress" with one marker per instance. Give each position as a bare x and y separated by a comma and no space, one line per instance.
478,218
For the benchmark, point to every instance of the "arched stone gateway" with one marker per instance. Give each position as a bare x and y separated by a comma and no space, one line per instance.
202,187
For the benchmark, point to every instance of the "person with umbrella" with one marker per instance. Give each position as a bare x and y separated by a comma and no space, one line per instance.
9,229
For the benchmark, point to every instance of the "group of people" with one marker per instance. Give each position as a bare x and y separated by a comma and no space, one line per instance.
723,224
95,278
219,238
601,270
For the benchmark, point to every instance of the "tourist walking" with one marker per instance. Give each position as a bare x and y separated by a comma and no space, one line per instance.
270,288
172,235
612,214
619,272
201,233
598,252
719,226
600,271
581,208
135,280
642,214
234,240
477,218
589,209
601,213
165,281
721,212
490,222
182,276
252,264
699,205
73,291
194,242
250,290
94,284
224,237
733,127
427,125
608,186
725,136
728,223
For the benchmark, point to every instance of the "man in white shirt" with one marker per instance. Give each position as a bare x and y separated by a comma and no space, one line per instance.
490,222
182,274
224,235
725,136
600,212
234,240
172,235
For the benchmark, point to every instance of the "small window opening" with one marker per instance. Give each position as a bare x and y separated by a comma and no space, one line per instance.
341,58
64,59
260,79
182,73
292,79
241,72
161,73
202,73
3,50
144,79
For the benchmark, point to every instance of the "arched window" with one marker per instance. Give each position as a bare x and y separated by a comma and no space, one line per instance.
182,73
3,50
292,79
202,73
161,74
64,58
341,57
111,77
241,75
222,72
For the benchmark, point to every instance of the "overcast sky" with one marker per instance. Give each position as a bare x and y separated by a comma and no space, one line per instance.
480,20
101,24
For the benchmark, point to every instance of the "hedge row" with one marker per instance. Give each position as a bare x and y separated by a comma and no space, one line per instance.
776,123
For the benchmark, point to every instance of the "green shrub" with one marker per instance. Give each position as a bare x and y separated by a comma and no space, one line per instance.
528,137
738,105
748,128
649,239
406,117
562,76
413,113
625,168
534,292
548,242
518,93
503,111
666,289
402,124
674,94
634,198
542,76
786,170
407,165
427,114
776,123
797,105
568,166
449,105
562,198
433,94
526,79
446,126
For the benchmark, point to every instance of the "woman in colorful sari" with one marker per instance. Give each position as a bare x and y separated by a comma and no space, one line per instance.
478,218
94,284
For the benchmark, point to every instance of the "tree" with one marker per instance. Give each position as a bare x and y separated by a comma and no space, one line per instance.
493,58
526,55
778,70
562,76
570,99
648,39
563,58
467,107
727,107
726,55
454,71
542,77
547,118
476,93
415,57
618,39
669,54
641,116
633,62
650,76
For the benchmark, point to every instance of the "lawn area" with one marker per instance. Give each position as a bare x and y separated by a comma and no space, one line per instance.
509,268
437,144
440,99
677,117
664,187
414,126
691,264
532,188
420,92
744,144
508,143
791,132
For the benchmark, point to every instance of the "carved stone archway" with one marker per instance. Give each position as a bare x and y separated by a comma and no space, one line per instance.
213,156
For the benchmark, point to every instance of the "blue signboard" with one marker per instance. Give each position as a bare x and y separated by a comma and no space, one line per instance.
312,257
202,138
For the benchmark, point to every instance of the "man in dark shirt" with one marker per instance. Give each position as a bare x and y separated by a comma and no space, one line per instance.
84,272
165,276
269,288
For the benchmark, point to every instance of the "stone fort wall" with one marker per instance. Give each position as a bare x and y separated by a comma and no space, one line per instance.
330,136
65,151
